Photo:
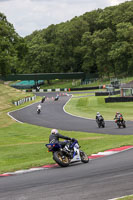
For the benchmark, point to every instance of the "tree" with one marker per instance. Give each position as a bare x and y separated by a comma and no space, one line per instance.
121,53
10,48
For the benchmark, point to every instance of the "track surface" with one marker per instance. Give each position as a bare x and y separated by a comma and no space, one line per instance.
53,116
102,179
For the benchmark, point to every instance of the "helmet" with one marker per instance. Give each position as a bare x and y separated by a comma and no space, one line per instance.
54,131
98,113
117,112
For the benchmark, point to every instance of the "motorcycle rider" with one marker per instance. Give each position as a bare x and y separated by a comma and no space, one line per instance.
98,115
55,135
39,107
57,97
118,115
43,99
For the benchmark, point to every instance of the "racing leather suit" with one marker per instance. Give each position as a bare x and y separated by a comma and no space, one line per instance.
54,138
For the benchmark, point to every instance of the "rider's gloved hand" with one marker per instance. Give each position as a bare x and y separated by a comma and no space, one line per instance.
73,139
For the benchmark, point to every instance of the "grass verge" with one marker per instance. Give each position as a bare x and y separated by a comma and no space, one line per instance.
89,106
22,145
126,198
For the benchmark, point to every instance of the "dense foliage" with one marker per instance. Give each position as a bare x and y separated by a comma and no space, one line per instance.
98,41
12,48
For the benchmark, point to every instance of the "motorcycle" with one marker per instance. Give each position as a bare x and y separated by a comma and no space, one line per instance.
69,154
38,110
56,98
120,122
100,122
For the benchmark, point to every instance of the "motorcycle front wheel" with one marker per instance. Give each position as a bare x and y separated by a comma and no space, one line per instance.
84,157
61,159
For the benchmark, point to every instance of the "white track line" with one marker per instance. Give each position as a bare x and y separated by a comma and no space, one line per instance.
17,110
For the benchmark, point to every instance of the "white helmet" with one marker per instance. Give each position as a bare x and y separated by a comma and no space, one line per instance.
54,131
98,113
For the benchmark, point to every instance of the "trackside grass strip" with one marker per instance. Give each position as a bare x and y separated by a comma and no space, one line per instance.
89,106
126,198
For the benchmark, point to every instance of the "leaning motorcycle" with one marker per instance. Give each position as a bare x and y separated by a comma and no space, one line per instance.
120,122
69,154
56,98
100,122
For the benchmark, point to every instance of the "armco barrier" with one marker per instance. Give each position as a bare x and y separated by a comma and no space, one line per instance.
85,88
118,99
107,93
101,93
62,89
21,101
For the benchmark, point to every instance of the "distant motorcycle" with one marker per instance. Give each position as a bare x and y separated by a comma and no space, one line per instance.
56,98
70,153
38,110
100,121
120,122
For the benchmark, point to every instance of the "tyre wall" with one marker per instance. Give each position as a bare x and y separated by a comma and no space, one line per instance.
118,99
107,93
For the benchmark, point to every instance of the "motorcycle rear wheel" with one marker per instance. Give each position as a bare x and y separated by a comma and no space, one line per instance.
103,125
118,124
61,160
124,125
84,157
38,111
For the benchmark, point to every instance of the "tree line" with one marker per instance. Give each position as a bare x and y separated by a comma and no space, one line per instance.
100,41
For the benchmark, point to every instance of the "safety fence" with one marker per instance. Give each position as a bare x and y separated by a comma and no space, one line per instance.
61,89
21,101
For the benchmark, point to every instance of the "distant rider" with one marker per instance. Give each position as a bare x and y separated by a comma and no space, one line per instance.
39,107
43,99
55,135
118,115
57,97
98,115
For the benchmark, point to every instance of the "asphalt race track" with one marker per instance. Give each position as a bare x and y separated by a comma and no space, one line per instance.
53,116
101,179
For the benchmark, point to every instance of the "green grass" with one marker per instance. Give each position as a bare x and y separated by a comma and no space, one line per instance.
88,106
71,84
22,145
126,198
76,83
61,84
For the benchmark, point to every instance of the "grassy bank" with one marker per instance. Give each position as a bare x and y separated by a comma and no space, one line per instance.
88,106
7,96
22,145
